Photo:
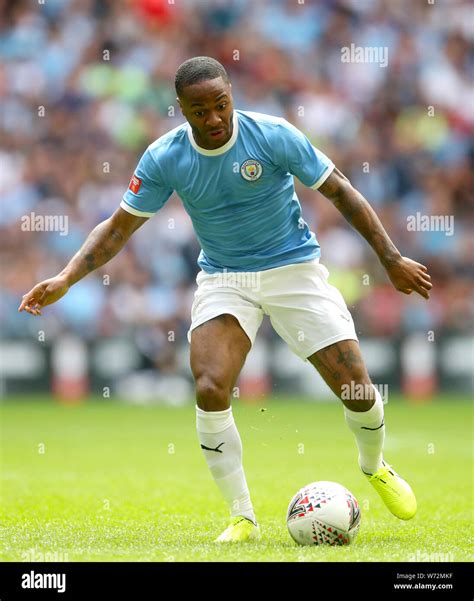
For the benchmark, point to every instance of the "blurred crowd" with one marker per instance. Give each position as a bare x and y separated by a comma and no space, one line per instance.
86,85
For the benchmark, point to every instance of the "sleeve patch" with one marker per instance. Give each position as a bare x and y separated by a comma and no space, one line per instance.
135,184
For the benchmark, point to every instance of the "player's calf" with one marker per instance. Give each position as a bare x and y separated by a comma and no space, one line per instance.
343,369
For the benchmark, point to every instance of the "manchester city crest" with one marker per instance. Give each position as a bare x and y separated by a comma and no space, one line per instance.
251,170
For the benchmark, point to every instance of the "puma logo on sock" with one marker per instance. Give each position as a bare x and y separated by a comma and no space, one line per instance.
217,449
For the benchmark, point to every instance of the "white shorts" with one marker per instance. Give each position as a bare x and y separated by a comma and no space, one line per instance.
304,309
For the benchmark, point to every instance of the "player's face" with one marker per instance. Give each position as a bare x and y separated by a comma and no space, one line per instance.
208,107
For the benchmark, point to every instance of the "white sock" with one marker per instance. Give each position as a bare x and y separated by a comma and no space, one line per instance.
217,430
369,431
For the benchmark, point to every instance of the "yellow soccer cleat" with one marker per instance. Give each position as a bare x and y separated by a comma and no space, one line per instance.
240,530
394,491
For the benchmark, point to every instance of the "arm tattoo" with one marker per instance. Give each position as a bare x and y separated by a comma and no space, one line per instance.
102,244
358,212
90,259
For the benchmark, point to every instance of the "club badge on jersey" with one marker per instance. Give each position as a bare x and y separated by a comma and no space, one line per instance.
251,170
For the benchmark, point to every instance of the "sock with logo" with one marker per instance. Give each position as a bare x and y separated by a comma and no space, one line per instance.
369,430
222,448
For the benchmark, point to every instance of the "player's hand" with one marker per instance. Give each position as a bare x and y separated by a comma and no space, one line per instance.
44,293
408,276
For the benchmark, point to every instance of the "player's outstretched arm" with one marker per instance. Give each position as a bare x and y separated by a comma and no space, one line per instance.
406,275
103,243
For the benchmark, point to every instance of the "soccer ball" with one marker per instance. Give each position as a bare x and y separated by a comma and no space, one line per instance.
323,513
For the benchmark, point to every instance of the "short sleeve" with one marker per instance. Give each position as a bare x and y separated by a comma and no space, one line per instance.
146,193
296,155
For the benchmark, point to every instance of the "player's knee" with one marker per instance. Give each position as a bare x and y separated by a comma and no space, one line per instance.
212,394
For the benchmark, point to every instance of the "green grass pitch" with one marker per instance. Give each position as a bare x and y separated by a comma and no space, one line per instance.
109,482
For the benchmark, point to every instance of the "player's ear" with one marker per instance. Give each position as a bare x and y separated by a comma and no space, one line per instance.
180,105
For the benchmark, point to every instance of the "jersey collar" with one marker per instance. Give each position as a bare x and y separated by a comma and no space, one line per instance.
216,151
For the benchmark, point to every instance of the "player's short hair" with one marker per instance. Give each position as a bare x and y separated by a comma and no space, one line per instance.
197,69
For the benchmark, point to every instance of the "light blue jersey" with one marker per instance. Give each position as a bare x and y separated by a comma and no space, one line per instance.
241,196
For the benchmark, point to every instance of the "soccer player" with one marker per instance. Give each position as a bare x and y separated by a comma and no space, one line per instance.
233,171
